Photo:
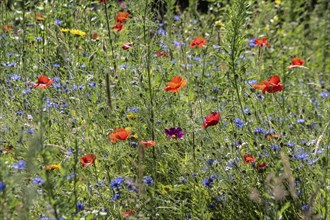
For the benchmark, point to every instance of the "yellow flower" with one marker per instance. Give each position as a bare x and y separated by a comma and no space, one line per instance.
218,23
278,2
131,115
65,30
77,32
53,167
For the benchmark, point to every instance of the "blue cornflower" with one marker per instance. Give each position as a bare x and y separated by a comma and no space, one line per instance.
83,66
116,183
183,180
123,67
20,165
26,91
2,186
210,161
208,182
148,180
133,110
304,208
291,144
275,147
38,38
58,22
161,31
38,181
15,77
239,123
20,113
8,64
247,111
324,94
301,121
176,17
176,43
56,65
80,206
70,176
115,197
30,131
92,84
300,154
251,43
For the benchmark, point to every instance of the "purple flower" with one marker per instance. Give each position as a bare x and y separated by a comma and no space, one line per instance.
116,183
148,180
161,31
2,186
291,144
15,77
58,22
301,121
259,130
176,18
115,197
38,181
38,38
208,182
175,133
183,180
324,94
239,123
251,43
80,206
20,165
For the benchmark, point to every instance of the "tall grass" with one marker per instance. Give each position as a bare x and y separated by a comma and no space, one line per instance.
266,158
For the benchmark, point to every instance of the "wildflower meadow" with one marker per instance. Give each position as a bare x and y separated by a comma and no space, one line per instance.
158,109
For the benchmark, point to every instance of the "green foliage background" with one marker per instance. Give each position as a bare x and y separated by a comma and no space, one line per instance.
73,114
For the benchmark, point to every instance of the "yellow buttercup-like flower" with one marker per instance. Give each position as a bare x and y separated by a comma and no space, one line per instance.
77,32
65,30
53,167
278,2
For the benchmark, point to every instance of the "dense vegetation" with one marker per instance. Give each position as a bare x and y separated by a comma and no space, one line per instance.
135,110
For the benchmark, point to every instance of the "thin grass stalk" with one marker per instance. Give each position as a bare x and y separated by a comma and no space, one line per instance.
75,179
151,98
107,78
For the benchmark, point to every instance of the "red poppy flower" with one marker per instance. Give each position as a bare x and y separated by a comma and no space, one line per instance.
118,27
7,28
150,143
127,46
248,158
271,86
175,84
122,16
297,62
103,1
198,42
261,42
261,167
43,82
119,134
87,159
211,119
128,213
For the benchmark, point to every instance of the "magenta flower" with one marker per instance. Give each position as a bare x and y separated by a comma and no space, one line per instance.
175,133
